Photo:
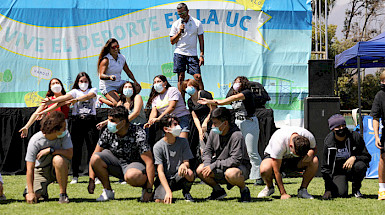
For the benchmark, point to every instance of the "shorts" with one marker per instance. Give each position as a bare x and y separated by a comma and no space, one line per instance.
183,62
43,177
289,165
219,174
184,122
176,183
107,88
115,167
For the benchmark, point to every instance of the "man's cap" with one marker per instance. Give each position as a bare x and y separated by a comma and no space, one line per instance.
336,120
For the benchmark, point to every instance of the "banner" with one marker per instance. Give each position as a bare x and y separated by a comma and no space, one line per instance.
370,143
267,41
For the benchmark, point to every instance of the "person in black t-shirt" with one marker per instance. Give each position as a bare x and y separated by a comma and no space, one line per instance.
243,103
345,158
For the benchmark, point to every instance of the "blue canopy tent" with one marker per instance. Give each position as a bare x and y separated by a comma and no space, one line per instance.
365,54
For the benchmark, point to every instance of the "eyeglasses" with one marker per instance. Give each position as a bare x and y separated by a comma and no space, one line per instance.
115,47
182,13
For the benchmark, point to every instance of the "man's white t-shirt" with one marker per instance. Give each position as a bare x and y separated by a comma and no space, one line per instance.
86,107
187,44
278,146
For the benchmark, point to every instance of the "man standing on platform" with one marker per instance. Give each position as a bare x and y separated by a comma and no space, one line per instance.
377,112
184,33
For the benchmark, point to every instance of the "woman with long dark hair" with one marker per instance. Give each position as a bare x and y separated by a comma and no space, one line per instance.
55,90
110,66
83,120
243,104
165,99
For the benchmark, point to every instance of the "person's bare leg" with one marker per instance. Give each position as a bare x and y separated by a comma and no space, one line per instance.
266,170
381,169
181,76
113,96
198,78
190,175
135,177
310,171
208,180
61,170
100,169
234,177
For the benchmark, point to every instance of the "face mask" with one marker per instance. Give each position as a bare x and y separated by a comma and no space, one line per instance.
216,129
340,132
56,88
158,87
236,86
175,131
382,87
83,86
128,92
112,127
190,90
64,133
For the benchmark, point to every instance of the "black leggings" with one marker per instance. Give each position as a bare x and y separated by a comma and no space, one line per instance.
338,184
82,130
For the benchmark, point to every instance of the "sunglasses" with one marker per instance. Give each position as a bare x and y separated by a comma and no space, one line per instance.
115,47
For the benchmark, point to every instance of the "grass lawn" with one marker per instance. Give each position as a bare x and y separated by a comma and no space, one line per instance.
126,201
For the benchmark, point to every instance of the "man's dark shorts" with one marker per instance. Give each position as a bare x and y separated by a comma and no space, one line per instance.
181,62
219,174
175,183
289,165
115,167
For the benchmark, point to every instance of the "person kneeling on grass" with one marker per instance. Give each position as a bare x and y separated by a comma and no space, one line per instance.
172,154
225,158
48,157
290,149
122,151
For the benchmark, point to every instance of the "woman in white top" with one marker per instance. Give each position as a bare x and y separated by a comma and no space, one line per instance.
83,119
110,66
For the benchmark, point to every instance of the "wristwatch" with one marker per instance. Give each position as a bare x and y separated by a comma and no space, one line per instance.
148,190
51,150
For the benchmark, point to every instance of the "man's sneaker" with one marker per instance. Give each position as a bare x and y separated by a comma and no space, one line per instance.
106,195
302,193
2,197
245,195
63,198
217,195
74,180
259,181
188,197
97,181
266,192
358,194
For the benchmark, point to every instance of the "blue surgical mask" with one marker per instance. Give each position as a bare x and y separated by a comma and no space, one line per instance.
216,129
190,90
64,133
158,87
128,92
112,127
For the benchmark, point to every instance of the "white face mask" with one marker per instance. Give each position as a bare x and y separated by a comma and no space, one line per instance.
236,86
175,131
83,86
56,88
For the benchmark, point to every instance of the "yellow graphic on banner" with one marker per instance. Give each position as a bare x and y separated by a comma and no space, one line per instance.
251,4
32,99
145,85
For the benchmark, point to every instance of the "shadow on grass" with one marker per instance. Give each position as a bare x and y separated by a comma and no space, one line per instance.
199,200
9,201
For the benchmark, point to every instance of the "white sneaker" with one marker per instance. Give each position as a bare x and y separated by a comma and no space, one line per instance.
266,192
302,193
97,181
106,195
74,180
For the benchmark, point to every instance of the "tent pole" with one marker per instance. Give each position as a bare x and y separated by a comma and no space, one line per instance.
359,92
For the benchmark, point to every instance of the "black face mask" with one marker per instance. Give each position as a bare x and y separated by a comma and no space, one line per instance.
382,87
341,132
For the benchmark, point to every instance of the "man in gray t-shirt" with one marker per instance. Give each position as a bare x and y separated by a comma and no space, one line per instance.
48,157
172,155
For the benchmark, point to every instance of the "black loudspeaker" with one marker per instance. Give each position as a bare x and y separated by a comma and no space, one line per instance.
321,78
317,112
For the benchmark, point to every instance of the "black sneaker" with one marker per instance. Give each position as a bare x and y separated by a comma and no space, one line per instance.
63,198
217,195
188,197
358,194
259,181
245,195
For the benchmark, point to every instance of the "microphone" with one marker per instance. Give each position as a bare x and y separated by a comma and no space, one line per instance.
182,30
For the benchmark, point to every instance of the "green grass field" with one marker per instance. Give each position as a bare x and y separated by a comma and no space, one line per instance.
126,201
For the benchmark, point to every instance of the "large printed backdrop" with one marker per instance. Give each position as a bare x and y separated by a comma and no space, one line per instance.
267,41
